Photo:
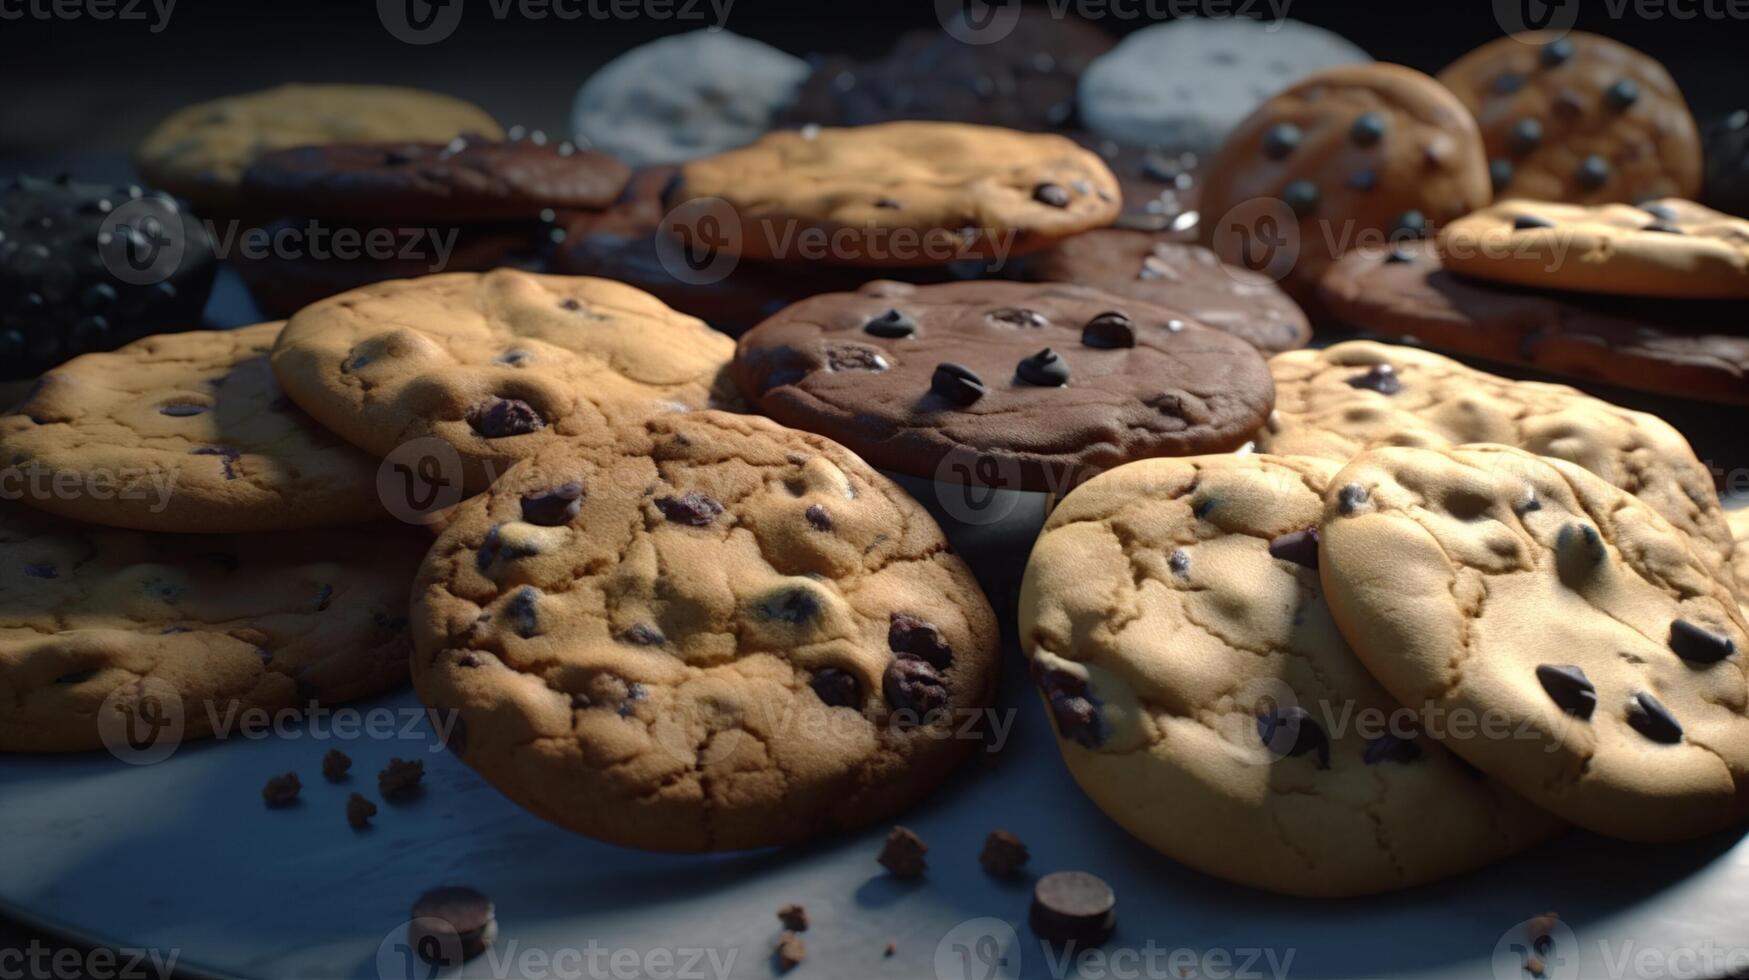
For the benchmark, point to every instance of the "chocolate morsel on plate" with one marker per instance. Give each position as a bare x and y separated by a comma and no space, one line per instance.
1569,688
451,924
1073,907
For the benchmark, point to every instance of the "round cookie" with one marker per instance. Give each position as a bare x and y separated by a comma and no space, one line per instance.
200,152
99,622
1578,117
89,267
684,97
1351,157
496,365
1550,628
1178,634
713,634
1337,402
1154,268
1726,143
195,422
903,194
1187,82
1671,248
1045,384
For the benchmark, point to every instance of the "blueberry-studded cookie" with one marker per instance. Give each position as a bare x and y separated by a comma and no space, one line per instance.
1670,248
113,637
714,634
1548,627
901,194
1340,401
1578,117
1036,385
496,364
1177,631
197,416
1350,156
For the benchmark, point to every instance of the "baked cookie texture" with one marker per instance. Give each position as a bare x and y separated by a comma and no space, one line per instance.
1578,117
97,620
183,432
1202,696
201,151
497,364
715,634
1550,628
1670,248
1338,402
904,193
1041,385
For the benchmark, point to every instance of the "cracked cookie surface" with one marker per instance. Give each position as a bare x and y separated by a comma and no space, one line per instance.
713,634
183,432
95,622
1551,629
1337,402
1177,630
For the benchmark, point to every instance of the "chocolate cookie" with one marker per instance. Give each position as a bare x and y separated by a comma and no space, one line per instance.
110,637
1687,349
1578,117
1053,383
200,152
1727,164
1179,638
713,634
1155,269
89,267
1670,248
1349,157
902,194
1548,627
199,413
496,365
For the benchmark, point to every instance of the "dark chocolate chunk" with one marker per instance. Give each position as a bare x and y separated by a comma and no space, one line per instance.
1526,222
1593,172
892,325
1579,551
1014,316
1073,907
1410,223
504,417
1648,716
1381,378
818,517
1003,854
914,686
1397,256
451,924
1281,140
1663,212
1302,196
1299,547
1697,644
910,636
1525,137
1109,330
1179,561
1292,731
182,410
1500,173
555,507
520,611
1364,179
1508,83
1569,688
837,687
1368,129
692,509
792,606
1557,52
1621,95
1047,369
1051,195
643,635
956,383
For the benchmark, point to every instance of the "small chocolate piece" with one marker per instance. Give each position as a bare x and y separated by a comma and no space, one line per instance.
791,952
1540,930
1526,222
1350,498
555,507
359,811
1579,552
281,790
794,917
1368,129
1390,748
1663,212
1072,707
837,688
1556,52
1569,688
1699,645
1411,223
1179,562
1109,330
1648,716
1051,195
1302,196
1381,378
892,325
1299,547
818,517
1500,173
891,950
910,636
1622,95
182,410
914,686
1073,907
400,779
1281,140
336,765
643,635
1526,135
1663,229
693,509
903,854
451,925
504,417
1003,854
1292,731
1364,179
1508,83
1593,172
1047,369
523,613
956,383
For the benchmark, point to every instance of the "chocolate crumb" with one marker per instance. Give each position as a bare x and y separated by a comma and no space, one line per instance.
794,917
791,952
1003,853
892,948
359,811
903,854
335,765
281,790
400,779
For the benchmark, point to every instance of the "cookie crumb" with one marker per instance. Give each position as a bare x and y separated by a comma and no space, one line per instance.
1540,930
281,790
903,854
794,917
335,765
892,948
791,951
1533,965
1003,853
359,811
400,779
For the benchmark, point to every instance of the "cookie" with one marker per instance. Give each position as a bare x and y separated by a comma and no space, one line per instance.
1178,634
1046,385
496,365
108,635
466,180
1356,156
198,414
1340,401
200,152
1726,143
1686,349
1187,82
89,267
713,634
1578,117
903,194
1548,627
1154,268
1670,248
686,96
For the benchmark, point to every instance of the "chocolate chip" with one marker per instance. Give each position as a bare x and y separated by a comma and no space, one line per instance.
837,688
892,325
570,303
693,509
1570,689
1302,197
1663,212
915,686
1648,716
451,924
1397,256
1579,551
281,790
1052,195
1411,223
1292,731
1179,562
1109,330
503,417
910,636
1073,907
1525,137
902,854
1622,95
1299,547
643,635
1368,128
359,811
1003,854
1280,140
1390,748
1508,83
1381,378
1046,369
1698,644
1593,172
956,383
1500,173
182,410
555,507
792,606
1662,228
1364,179
521,612
77,676
335,765
1350,498
1556,52
1527,222
888,204
818,518
1016,316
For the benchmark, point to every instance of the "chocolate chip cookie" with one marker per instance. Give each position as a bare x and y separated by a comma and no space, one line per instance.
1050,383
497,364
198,416
1337,402
1177,631
902,194
713,634
1550,628
1578,117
